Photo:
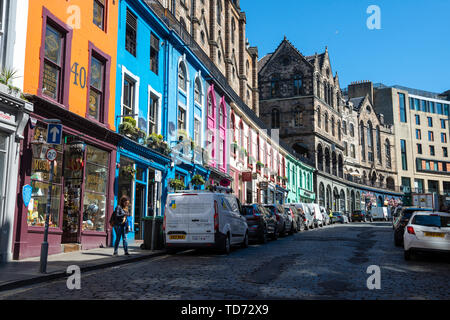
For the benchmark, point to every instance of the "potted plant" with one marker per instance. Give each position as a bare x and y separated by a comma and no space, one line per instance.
6,77
176,184
128,127
129,170
197,181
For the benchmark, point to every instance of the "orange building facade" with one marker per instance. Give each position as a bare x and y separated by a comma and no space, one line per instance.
70,65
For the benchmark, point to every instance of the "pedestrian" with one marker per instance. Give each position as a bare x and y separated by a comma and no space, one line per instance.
119,220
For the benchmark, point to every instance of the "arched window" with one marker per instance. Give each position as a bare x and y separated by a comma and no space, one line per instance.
198,95
298,117
378,145
319,118
352,130
333,132
182,80
387,147
219,12
339,131
233,29
370,141
362,141
222,117
183,23
326,121
298,84
318,88
275,118
344,127
210,105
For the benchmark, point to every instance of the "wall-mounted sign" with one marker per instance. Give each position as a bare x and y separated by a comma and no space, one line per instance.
247,176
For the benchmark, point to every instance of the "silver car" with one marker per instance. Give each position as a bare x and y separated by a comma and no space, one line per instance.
339,217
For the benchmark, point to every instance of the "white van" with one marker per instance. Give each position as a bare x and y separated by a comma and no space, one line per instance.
202,219
309,215
380,213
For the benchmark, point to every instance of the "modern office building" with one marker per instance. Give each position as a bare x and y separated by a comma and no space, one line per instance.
421,127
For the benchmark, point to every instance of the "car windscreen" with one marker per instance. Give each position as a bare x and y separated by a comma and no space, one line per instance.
336,214
432,221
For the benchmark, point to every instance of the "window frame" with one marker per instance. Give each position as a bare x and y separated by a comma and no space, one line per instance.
157,40
106,59
64,80
105,13
134,41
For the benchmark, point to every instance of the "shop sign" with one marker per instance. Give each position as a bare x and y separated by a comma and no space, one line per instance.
7,117
247,176
264,185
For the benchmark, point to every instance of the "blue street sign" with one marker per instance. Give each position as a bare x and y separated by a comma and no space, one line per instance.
54,133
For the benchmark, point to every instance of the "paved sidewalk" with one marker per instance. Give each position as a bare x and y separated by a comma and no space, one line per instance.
16,274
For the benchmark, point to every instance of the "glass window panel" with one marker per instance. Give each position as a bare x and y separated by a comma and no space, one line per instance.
38,205
53,40
97,156
97,74
96,178
99,10
50,81
3,143
432,110
94,104
94,212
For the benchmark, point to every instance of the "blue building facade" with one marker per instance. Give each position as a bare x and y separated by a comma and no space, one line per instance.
160,103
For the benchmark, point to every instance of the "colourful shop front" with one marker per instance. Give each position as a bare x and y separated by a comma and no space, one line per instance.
141,175
82,189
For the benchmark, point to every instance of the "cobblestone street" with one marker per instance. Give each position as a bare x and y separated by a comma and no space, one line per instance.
328,263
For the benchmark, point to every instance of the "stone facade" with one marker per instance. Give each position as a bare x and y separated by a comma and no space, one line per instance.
218,27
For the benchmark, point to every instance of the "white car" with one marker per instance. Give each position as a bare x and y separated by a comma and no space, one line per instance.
201,219
318,217
427,231
309,215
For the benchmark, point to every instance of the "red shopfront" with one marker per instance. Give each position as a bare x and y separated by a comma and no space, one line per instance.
83,185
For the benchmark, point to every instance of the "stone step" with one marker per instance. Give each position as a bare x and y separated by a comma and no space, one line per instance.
71,247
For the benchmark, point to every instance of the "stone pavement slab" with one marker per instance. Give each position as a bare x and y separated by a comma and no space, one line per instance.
24,272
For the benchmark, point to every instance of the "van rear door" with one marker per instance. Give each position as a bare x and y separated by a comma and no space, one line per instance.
201,217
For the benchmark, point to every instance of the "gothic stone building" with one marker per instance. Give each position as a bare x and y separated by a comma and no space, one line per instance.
300,96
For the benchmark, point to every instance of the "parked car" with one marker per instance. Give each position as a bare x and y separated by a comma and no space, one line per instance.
309,222
401,220
200,219
339,217
427,231
361,216
261,223
290,213
326,217
300,220
318,217
379,213
284,223
395,214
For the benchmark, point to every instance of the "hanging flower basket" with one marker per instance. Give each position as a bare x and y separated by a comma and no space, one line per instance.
198,180
176,184
129,170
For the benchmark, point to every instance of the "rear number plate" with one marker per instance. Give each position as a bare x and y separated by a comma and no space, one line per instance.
178,237
435,234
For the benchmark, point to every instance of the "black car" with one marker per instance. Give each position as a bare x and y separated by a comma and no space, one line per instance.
284,223
361,216
401,220
261,223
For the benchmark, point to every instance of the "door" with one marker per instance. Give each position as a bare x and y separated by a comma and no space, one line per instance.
139,211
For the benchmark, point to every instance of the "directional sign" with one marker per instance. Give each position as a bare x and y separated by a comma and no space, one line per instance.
54,133
51,154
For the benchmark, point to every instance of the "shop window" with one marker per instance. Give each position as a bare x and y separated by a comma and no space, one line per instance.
40,178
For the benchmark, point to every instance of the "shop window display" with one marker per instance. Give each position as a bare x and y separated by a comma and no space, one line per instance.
40,176
94,202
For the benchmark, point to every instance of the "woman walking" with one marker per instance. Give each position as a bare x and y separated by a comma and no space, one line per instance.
120,223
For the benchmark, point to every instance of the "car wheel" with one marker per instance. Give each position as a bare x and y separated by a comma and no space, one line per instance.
275,235
407,254
397,241
226,245
245,242
263,238
292,230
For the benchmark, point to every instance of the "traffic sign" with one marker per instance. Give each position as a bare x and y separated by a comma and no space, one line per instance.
51,154
54,133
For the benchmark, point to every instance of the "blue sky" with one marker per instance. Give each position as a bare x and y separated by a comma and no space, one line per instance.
412,48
